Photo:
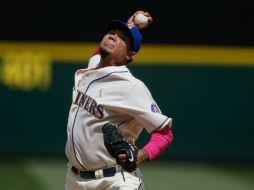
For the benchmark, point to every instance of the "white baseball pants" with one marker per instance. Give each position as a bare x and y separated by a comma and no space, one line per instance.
120,181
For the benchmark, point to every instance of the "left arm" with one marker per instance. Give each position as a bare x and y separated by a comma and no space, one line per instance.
159,141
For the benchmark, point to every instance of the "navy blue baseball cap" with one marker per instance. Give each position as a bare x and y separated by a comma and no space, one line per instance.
132,31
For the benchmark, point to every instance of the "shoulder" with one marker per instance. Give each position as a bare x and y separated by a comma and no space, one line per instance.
125,75
139,85
121,79
128,78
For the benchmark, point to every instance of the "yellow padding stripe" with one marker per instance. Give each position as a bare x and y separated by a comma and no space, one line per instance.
197,55
149,53
67,52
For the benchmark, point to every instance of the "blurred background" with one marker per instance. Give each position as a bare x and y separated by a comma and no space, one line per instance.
197,59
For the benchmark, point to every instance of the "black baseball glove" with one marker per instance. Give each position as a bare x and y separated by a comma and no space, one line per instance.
116,144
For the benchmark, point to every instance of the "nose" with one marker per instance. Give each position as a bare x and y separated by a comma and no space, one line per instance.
112,36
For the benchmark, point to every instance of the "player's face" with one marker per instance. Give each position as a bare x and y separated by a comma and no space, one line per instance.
116,44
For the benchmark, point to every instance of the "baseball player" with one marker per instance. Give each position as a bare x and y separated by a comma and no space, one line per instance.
107,92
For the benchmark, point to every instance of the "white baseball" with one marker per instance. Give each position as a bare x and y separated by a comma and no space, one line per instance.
141,20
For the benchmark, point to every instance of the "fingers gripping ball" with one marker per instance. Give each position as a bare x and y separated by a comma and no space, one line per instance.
116,144
141,20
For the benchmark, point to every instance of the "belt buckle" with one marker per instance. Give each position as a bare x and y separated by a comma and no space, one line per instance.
98,174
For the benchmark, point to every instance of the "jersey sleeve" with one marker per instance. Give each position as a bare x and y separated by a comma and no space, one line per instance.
139,103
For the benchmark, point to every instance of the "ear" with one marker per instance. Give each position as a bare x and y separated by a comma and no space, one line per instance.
130,55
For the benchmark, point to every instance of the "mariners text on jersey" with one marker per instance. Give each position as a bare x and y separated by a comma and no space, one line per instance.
89,104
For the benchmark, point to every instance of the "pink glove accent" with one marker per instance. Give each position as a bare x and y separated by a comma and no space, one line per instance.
158,142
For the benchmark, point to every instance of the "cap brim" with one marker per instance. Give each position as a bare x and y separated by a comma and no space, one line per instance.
117,24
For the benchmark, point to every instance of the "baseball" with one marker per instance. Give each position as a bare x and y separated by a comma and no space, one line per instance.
141,20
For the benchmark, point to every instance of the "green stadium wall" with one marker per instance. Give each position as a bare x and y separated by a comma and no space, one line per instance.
212,108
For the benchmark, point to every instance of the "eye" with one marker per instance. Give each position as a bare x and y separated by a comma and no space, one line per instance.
112,32
122,36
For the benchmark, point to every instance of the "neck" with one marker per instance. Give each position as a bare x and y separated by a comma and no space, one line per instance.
104,63
107,61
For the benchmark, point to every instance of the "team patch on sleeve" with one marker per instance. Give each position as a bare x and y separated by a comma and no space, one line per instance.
155,108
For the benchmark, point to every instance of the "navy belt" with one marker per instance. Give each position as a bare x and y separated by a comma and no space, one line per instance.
97,174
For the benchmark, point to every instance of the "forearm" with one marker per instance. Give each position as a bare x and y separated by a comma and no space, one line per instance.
158,142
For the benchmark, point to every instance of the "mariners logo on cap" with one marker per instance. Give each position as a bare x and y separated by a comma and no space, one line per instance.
130,25
154,108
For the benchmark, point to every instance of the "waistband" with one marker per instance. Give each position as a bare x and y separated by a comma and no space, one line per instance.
96,174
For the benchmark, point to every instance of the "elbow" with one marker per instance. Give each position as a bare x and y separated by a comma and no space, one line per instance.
171,136
170,123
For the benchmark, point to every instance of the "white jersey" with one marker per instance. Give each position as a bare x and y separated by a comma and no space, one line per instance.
109,94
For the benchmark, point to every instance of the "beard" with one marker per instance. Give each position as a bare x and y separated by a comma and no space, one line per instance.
103,52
